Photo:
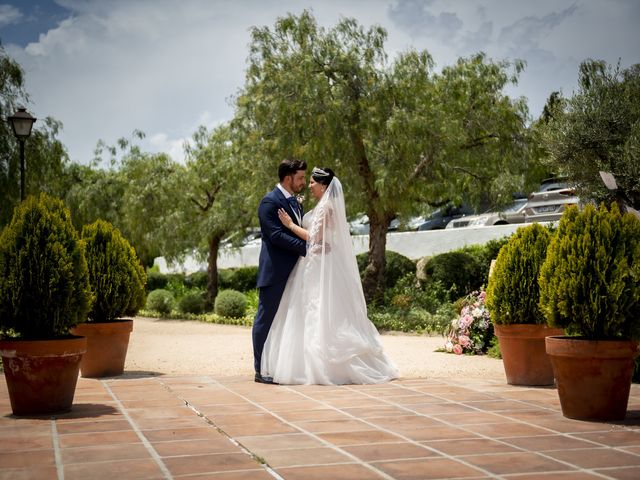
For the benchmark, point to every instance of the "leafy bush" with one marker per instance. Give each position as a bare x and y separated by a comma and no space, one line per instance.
409,293
191,302
457,271
513,292
484,254
44,279
242,279
590,280
197,280
161,301
156,280
397,266
115,273
230,303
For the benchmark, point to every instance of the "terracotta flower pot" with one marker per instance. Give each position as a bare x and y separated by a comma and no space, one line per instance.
523,353
593,376
41,375
107,344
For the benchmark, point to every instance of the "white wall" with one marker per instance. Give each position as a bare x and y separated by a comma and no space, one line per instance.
410,244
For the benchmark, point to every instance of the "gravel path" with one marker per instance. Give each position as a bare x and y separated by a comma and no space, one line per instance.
181,347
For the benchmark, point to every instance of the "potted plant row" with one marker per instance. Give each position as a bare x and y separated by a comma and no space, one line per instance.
44,291
512,298
590,287
118,282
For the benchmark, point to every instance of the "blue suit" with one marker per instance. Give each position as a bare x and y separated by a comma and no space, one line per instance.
278,255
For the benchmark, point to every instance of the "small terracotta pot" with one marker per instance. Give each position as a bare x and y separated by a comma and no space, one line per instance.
107,344
593,376
523,353
42,375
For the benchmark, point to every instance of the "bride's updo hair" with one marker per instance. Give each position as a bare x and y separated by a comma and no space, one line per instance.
322,175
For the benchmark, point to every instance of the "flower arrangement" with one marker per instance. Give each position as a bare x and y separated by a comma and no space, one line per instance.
472,330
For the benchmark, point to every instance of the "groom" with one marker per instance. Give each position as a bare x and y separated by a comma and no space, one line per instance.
279,252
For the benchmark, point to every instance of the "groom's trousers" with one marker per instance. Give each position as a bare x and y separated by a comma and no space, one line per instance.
268,302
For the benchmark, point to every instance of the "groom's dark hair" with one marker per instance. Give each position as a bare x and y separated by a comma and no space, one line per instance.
290,166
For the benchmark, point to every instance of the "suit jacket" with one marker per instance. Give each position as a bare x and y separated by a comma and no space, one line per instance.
280,247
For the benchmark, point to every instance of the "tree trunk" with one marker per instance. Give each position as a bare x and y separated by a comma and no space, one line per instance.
212,271
374,275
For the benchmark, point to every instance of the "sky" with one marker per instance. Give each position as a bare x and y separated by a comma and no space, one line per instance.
105,68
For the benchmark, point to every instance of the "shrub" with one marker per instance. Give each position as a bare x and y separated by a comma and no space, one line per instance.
161,301
242,279
156,280
409,293
590,280
44,280
192,302
197,280
484,255
230,303
513,292
115,273
457,271
397,266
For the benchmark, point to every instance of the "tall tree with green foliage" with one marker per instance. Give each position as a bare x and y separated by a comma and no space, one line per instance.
598,128
45,156
217,185
397,133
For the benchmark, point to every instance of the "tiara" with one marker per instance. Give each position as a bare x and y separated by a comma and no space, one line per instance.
318,172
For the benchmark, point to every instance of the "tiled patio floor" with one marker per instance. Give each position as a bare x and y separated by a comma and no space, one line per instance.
233,428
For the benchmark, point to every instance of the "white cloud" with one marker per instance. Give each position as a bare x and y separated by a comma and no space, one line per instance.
9,15
166,67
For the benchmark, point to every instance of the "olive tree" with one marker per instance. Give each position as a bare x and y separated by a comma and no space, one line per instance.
398,133
597,129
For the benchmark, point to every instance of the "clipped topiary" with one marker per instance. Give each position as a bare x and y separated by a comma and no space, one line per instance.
590,280
191,302
161,301
512,298
115,273
242,279
231,304
44,280
513,292
590,286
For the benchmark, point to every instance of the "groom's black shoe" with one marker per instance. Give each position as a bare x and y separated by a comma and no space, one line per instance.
268,380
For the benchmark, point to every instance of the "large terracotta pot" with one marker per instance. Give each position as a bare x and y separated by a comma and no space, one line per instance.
593,376
107,344
42,375
523,353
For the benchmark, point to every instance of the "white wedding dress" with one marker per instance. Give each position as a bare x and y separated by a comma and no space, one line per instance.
321,333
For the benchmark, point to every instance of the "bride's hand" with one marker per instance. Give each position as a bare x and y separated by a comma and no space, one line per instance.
284,218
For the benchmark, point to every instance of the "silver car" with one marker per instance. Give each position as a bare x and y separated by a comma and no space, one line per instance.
548,206
514,213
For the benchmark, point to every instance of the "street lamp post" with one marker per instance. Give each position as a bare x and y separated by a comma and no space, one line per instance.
21,122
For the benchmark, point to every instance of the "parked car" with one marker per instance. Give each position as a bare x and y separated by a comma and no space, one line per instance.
547,206
514,213
554,183
441,217
360,225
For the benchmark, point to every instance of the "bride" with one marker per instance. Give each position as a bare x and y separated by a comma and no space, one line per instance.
321,333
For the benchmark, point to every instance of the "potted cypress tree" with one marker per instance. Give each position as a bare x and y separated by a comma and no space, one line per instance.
44,290
590,286
512,299
118,280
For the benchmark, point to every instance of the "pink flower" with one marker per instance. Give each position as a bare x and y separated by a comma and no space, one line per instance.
464,341
457,349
